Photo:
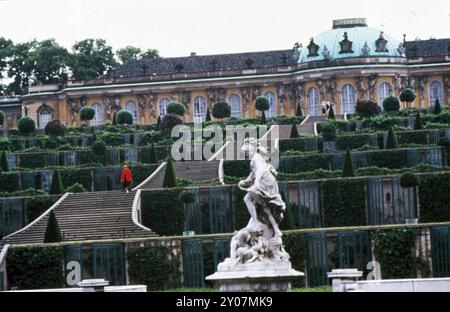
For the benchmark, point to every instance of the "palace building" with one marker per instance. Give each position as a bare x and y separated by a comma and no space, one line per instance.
349,62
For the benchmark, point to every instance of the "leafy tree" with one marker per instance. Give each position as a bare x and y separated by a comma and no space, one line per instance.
52,231
331,115
169,176
51,62
208,115
367,109
26,125
349,169
2,118
87,113
91,58
21,66
153,156
437,109
408,96
176,108
129,53
391,142
294,132
4,163
124,117
6,47
418,122
221,110
391,104
150,54
54,128
57,186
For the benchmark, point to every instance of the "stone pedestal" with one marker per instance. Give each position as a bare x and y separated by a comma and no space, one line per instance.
344,280
263,276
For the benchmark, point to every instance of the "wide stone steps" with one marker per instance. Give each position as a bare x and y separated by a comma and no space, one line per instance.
88,216
191,170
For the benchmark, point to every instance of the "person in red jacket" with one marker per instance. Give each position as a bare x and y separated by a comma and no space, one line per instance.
126,178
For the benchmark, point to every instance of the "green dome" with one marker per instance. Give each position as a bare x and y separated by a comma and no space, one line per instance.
349,40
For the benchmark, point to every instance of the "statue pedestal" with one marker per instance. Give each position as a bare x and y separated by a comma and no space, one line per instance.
262,276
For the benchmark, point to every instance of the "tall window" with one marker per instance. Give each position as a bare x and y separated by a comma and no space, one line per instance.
272,111
235,103
98,117
199,109
348,99
313,102
436,92
131,107
385,91
162,106
45,116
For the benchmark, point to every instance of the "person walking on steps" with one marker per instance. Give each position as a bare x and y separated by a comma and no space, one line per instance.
126,178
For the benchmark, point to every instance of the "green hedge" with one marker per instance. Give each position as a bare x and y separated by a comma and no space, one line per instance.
394,250
72,176
35,267
394,159
163,212
9,182
155,267
294,243
434,198
33,160
344,202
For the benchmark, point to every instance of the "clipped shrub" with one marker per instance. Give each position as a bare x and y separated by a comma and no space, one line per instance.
76,188
221,110
187,197
391,142
99,148
169,175
294,132
329,133
437,109
158,123
262,103
176,108
208,115
124,117
2,118
298,111
114,119
153,156
349,169
331,115
52,231
26,125
391,104
418,125
87,113
4,163
55,129
367,109
408,180
57,186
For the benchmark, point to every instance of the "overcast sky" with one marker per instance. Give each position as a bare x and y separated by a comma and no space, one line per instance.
178,27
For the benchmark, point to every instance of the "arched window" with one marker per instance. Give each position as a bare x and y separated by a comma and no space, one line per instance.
235,103
385,91
162,106
98,117
272,111
436,92
131,107
313,102
199,109
348,99
45,116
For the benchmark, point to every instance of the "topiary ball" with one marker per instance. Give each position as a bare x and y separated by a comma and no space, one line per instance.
54,128
87,113
26,125
391,104
176,108
408,95
124,117
262,103
221,110
169,121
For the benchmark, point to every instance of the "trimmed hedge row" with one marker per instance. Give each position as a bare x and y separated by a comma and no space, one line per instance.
434,198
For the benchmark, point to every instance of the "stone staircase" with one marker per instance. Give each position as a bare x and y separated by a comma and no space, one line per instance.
192,170
305,128
87,216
